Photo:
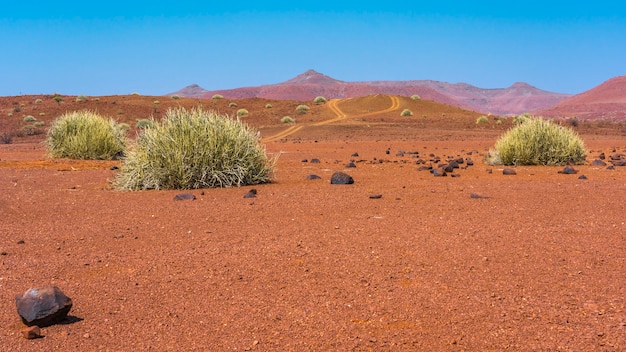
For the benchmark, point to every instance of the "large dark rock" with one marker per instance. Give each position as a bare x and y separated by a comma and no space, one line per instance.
43,306
341,178
509,172
598,162
568,170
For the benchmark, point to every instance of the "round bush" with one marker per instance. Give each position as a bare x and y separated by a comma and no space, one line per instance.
319,100
415,97
482,119
406,112
242,112
192,149
287,119
85,135
302,109
29,118
538,142
217,97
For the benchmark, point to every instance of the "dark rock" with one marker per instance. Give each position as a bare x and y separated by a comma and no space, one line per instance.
509,172
438,172
43,306
313,177
448,167
477,196
31,332
425,167
598,162
582,177
568,170
387,151
351,164
114,167
489,171
304,160
315,161
455,175
469,162
184,196
601,156
355,154
21,242
459,160
376,196
400,153
621,162
251,194
610,167
340,178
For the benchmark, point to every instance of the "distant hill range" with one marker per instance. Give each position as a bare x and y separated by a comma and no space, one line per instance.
516,99
605,101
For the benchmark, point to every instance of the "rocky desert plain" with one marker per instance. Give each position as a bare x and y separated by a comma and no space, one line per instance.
399,260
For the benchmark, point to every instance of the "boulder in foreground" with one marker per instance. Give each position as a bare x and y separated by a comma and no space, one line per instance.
43,306
341,178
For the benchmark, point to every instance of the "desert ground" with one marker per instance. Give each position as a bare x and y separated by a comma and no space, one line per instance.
478,262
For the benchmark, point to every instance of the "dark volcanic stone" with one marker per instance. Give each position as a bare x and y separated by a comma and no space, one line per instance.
315,161
355,154
509,172
582,177
568,170
425,167
114,167
438,172
184,196
455,175
340,178
621,162
31,332
251,194
351,164
477,196
469,162
376,196
43,306
313,177
448,167
598,162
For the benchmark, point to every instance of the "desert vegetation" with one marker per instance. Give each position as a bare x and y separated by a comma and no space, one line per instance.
85,135
287,119
537,142
415,97
302,109
406,112
319,100
242,112
482,120
192,149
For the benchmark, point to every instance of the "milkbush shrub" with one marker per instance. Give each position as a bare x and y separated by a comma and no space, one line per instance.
192,149
302,109
217,97
415,97
537,142
29,118
482,119
406,112
85,135
319,100
287,119
144,123
242,112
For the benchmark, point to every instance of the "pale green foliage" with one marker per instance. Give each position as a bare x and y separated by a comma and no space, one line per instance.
144,123
537,142
29,118
232,105
520,119
302,109
39,123
287,119
242,112
406,112
268,106
192,149
175,97
319,100
415,97
81,98
217,97
38,101
85,135
482,119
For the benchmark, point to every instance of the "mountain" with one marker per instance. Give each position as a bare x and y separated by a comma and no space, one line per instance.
516,99
607,100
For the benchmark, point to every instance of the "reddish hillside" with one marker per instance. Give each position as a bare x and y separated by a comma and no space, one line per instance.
518,98
606,101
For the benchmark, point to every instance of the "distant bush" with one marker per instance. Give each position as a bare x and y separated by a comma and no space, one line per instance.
537,142
302,109
42,114
81,98
406,112
217,97
242,112
287,119
319,100
39,123
134,93
192,149
232,105
6,138
85,135
482,119
144,123
38,101
268,106
415,97
29,118
175,97
520,119
58,99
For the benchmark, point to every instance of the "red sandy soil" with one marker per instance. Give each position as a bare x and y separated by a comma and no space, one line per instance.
538,264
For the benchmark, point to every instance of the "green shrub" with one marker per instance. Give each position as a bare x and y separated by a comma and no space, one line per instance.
175,97
482,119
217,97
192,149
268,106
406,112
287,119
58,99
242,112
42,114
302,109
415,97
81,98
38,101
319,100
85,135
144,123
537,142
232,105
39,123
29,118
520,119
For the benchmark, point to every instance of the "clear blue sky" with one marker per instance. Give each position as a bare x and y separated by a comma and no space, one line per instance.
154,47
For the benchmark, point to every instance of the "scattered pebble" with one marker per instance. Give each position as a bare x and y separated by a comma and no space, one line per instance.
313,177
251,194
31,332
184,196
376,196
509,172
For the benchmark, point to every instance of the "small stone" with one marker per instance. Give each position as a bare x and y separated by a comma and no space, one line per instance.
509,172
489,171
351,165
43,306
313,177
455,175
315,161
438,172
598,162
340,178
477,196
376,196
31,332
114,167
582,177
355,154
251,194
184,196
568,170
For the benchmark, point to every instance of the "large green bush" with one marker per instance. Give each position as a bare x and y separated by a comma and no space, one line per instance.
85,135
192,149
538,142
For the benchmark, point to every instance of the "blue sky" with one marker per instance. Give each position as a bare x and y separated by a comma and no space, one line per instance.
154,48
